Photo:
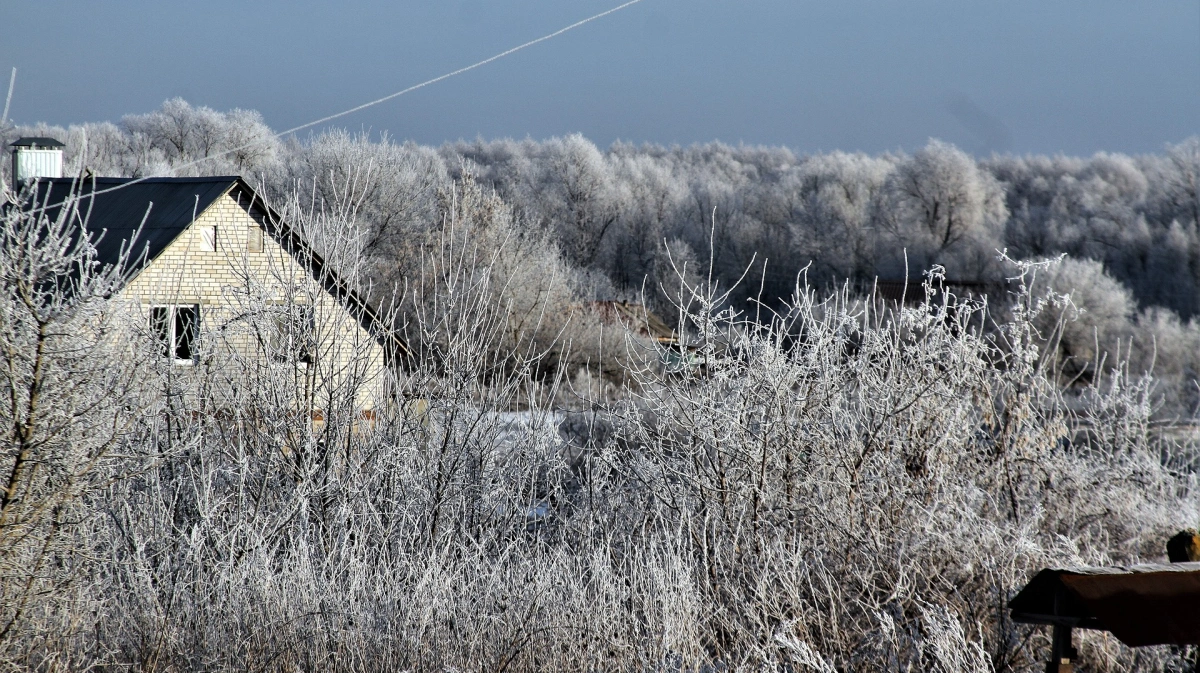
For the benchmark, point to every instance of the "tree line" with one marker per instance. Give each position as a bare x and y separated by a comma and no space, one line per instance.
621,222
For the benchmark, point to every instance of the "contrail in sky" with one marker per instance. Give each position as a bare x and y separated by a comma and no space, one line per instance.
377,101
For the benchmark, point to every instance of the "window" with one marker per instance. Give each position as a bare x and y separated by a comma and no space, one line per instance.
290,333
177,329
208,239
254,239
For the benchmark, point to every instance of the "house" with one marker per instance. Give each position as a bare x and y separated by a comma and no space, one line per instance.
219,278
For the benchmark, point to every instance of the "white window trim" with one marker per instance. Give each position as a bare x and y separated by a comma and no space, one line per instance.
208,237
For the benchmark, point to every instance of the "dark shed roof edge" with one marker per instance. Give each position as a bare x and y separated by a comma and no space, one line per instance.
37,141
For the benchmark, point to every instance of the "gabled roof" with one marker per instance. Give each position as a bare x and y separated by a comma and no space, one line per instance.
114,208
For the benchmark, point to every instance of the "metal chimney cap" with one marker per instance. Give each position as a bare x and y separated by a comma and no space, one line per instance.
42,143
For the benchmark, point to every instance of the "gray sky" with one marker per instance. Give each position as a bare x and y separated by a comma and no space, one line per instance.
1011,75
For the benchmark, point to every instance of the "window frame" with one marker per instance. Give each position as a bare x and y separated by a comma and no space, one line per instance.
165,326
292,329
208,237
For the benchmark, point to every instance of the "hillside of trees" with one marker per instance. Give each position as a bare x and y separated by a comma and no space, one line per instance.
827,480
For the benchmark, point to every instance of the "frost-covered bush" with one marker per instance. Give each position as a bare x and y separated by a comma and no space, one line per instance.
1169,349
828,490
840,488
1088,318
71,385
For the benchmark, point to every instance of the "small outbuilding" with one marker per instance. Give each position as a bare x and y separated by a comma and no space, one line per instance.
36,157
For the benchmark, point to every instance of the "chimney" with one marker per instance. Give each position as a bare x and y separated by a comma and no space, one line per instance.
36,158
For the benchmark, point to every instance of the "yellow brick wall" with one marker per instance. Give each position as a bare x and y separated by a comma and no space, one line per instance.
231,285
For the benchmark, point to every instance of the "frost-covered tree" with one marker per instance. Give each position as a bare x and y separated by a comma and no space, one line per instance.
939,201
70,386
838,224
577,196
1091,323
656,196
391,189
836,484
480,260
199,140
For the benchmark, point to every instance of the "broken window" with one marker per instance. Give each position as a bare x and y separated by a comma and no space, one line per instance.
176,329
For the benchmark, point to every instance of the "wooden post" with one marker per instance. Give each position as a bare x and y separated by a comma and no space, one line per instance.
1062,654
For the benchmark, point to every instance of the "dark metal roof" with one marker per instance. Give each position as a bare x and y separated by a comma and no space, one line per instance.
168,205
1141,605
38,141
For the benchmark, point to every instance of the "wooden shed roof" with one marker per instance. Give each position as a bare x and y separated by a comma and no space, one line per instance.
1154,604
638,318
